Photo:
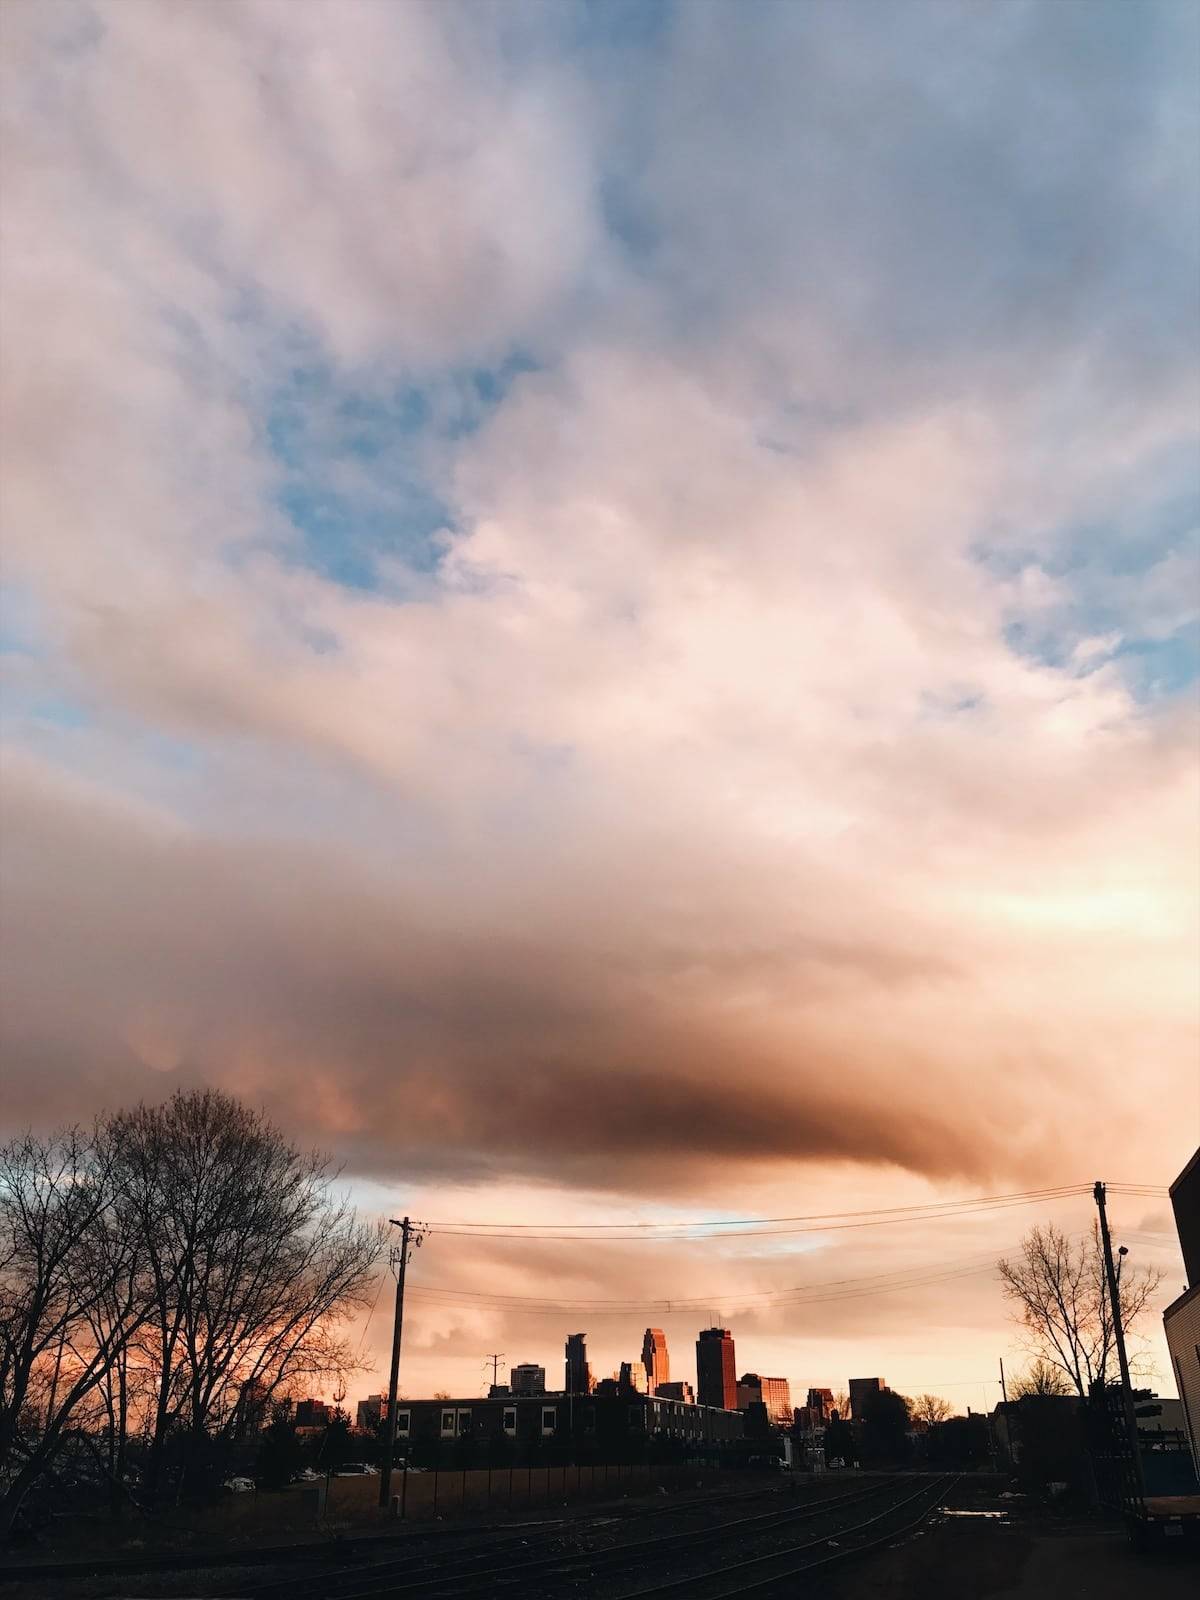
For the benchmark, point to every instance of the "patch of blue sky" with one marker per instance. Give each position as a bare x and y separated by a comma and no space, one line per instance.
1122,588
21,631
366,464
350,540
61,712
1157,668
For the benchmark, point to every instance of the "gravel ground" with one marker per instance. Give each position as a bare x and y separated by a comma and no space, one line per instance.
571,1529
1020,1553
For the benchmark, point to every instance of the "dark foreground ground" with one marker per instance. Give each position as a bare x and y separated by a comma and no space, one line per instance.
1007,1548
981,1543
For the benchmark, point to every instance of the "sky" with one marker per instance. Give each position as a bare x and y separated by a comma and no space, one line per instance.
600,612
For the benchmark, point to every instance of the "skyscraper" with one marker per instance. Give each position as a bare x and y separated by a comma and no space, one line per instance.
579,1374
655,1360
716,1374
774,1393
860,1390
821,1400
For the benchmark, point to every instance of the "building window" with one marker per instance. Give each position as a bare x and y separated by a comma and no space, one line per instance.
549,1419
464,1422
402,1423
447,1424
510,1419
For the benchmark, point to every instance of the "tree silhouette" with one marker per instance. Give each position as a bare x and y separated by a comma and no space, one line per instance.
931,1409
1040,1378
166,1275
71,1296
883,1430
253,1262
1062,1304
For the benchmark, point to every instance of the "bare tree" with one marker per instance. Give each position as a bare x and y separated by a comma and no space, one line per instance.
931,1409
1040,1378
1058,1288
254,1263
70,1298
841,1404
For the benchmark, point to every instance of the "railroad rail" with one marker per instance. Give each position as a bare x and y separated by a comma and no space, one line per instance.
482,1573
758,1575
514,1538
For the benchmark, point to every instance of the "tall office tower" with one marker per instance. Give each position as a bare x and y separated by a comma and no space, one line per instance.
716,1374
655,1360
579,1374
860,1390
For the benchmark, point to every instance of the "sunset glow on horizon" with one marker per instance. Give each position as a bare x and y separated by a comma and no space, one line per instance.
600,613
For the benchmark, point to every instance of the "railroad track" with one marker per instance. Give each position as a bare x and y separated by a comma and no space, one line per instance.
515,1540
759,1575
487,1572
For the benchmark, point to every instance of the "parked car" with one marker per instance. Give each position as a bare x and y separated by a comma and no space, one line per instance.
355,1469
766,1464
238,1485
305,1475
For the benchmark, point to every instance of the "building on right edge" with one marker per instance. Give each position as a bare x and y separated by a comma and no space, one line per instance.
1181,1319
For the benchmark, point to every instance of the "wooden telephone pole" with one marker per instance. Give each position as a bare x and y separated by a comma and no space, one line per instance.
1114,1298
411,1236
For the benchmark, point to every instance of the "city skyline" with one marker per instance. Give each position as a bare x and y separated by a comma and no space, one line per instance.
598,616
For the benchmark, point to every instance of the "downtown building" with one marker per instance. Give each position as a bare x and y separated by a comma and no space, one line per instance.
716,1372
527,1378
861,1390
578,1371
821,1400
370,1413
773,1393
655,1359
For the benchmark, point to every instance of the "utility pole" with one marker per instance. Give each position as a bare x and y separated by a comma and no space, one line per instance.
495,1359
1003,1385
1114,1300
411,1236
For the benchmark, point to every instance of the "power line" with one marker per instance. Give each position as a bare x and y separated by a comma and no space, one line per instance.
785,1298
898,1275
682,1226
693,1233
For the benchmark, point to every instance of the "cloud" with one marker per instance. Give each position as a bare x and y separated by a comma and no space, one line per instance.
677,800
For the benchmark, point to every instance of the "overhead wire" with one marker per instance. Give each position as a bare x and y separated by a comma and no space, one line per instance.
897,1276
449,1296
670,1307
752,1228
